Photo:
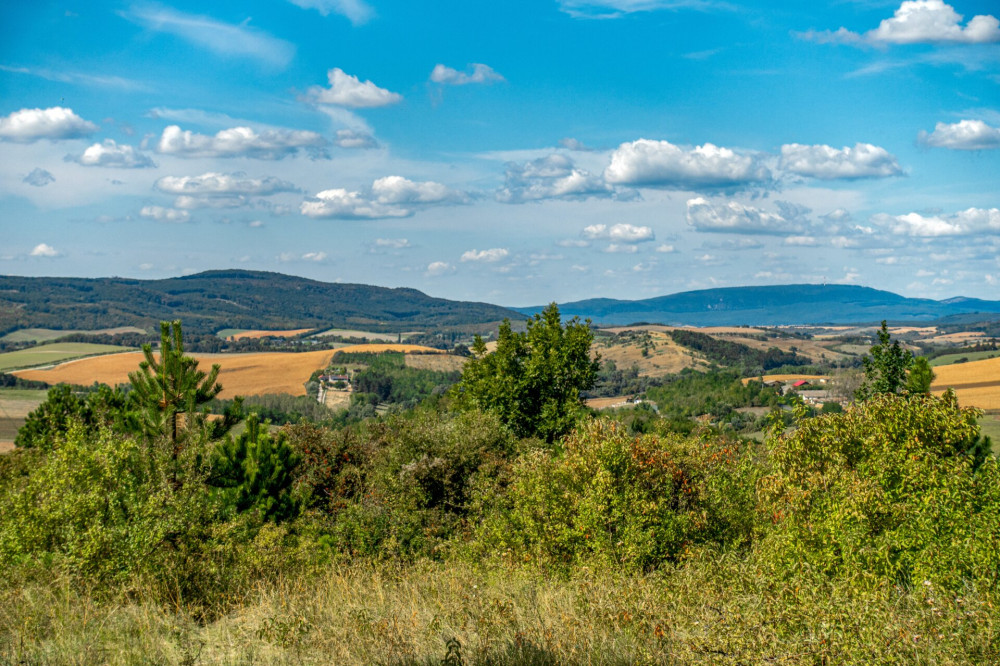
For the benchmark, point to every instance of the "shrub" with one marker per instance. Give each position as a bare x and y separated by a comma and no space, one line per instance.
632,501
887,490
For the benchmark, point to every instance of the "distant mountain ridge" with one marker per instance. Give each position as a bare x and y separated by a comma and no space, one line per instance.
213,300
771,306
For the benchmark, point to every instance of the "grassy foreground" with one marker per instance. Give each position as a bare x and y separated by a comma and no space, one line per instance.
712,612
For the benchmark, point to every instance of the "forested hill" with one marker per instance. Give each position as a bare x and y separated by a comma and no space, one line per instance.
212,300
772,305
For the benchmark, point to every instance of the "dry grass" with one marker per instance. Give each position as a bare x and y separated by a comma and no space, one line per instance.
436,362
607,403
958,338
242,374
256,335
665,357
384,614
379,348
786,378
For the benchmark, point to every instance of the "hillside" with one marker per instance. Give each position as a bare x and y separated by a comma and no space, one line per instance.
212,300
772,306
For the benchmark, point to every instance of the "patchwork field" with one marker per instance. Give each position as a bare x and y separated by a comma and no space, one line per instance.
46,334
976,383
54,353
240,334
15,405
379,348
242,374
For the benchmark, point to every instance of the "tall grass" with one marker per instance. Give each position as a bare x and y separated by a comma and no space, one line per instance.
716,611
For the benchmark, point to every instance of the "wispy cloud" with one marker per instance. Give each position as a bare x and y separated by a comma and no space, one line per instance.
222,38
356,11
608,9
78,78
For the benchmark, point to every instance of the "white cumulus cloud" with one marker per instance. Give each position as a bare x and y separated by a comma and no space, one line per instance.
734,217
349,91
399,190
349,205
552,177
662,164
44,250
486,256
272,144
222,184
438,268
963,135
477,72
161,214
864,160
619,233
55,124
963,223
109,153
919,22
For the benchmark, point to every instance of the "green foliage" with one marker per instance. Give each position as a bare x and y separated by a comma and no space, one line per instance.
258,470
170,386
717,393
418,485
388,377
93,505
885,367
533,380
920,378
629,501
886,491
51,420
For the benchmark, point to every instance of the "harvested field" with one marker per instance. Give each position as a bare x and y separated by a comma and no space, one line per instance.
338,399
379,348
54,353
437,362
958,338
976,383
608,403
242,374
256,335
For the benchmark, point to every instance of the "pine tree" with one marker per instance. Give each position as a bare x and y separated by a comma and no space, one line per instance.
169,391
259,470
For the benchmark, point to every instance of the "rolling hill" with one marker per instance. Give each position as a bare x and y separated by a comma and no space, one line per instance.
772,306
212,300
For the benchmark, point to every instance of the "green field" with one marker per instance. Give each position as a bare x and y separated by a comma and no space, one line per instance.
228,332
54,353
949,359
46,334
365,335
15,405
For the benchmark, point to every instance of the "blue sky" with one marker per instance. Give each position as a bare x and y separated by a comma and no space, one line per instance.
513,152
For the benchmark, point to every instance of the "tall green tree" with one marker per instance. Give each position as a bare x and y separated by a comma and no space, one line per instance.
885,367
169,390
920,378
533,380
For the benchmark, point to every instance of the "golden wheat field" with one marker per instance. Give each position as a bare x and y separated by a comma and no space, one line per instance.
254,335
242,374
976,383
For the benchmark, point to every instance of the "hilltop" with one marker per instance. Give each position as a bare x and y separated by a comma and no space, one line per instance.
219,299
772,306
